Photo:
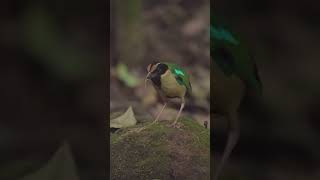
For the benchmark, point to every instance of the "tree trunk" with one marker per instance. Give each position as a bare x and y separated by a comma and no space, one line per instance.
128,31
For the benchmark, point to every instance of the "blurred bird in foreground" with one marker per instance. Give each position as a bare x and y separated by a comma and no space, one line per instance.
233,74
170,81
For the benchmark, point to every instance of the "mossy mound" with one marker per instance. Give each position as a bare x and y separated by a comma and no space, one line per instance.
162,152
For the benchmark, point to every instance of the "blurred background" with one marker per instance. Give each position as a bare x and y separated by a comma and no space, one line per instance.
146,31
280,132
53,85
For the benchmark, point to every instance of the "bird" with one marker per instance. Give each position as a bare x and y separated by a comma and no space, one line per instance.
234,73
170,81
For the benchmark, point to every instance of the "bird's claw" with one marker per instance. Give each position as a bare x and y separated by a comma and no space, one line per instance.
176,125
140,129
144,127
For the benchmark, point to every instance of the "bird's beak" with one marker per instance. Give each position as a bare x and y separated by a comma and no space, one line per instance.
146,79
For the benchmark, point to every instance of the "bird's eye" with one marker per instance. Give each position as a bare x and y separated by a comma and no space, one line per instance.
162,68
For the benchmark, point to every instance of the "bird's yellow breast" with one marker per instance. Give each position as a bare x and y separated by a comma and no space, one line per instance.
170,87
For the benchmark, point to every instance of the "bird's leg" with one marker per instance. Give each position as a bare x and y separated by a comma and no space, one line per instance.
179,113
234,132
158,116
156,120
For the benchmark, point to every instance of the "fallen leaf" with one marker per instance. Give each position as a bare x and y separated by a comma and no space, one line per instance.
125,120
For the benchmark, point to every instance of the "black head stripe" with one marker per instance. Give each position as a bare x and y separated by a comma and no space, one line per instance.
156,74
161,69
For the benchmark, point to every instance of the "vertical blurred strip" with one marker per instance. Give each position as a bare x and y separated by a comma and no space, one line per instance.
211,106
128,31
106,123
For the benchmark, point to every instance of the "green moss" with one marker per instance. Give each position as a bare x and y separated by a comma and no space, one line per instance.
138,155
114,138
160,152
201,134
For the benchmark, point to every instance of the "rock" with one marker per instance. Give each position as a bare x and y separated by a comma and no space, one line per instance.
162,152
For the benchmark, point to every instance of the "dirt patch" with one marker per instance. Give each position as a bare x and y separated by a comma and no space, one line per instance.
185,153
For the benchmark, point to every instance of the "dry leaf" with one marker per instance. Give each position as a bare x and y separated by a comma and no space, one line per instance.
125,120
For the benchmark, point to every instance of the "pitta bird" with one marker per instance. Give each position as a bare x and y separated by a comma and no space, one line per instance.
170,81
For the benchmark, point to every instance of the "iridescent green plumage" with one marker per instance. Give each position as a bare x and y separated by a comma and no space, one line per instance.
181,76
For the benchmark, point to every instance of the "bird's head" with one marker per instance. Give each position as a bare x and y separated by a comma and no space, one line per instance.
155,69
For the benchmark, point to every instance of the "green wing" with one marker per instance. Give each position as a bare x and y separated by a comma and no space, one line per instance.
232,57
181,76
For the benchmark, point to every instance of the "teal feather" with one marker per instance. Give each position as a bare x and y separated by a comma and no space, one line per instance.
223,35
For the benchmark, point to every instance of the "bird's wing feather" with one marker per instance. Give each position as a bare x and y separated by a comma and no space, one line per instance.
181,76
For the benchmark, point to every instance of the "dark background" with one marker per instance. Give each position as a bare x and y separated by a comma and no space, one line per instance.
280,132
53,85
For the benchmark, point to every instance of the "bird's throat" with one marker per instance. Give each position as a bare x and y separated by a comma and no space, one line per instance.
156,80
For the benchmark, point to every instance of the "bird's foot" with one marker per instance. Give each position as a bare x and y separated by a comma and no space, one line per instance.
141,129
145,127
177,125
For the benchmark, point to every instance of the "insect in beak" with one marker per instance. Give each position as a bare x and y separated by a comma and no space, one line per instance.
146,80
